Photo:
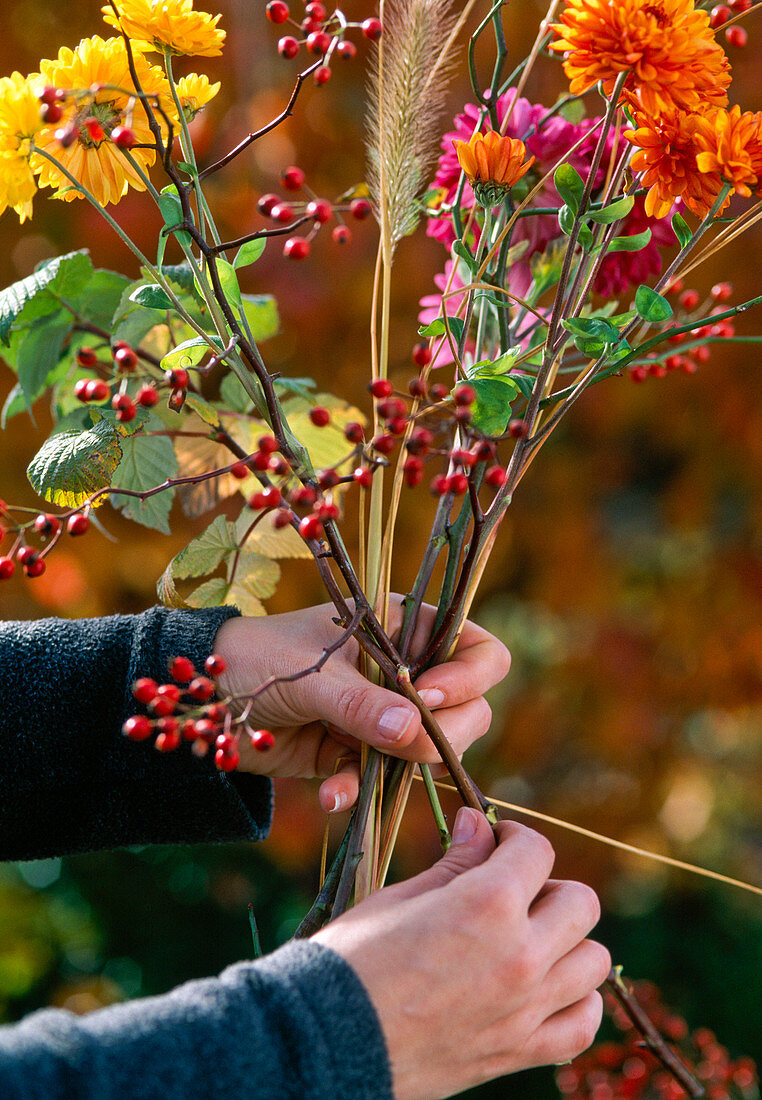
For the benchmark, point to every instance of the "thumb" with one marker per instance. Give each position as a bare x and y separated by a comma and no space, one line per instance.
472,843
364,710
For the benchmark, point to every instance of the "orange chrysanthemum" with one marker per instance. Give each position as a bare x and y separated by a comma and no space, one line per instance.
667,161
97,163
493,163
168,24
666,46
730,144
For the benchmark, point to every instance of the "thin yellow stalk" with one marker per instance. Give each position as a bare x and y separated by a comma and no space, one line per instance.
744,222
392,829
620,844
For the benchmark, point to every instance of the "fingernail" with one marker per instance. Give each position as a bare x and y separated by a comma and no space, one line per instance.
432,697
394,721
465,825
339,802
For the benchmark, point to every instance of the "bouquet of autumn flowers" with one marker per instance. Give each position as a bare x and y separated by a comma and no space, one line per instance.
569,229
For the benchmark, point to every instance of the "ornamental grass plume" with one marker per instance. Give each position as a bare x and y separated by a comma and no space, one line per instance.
667,48
168,25
19,122
95,161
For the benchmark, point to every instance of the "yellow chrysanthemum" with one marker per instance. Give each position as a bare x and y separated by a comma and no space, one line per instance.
667,47
729,144
98,164
194,92
168,24
667,160
493,164
19,122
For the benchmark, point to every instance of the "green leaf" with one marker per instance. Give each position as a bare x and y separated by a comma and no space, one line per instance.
59,276
433,328
585,237
152,297
250,252
524,383
131,322
172,212
189,168
614,212
633,243
255,575
681,230
652,307
232,394
569,185
592,327
190,353
566,218
202,408
491,410
463,252
229,282
498,368
205,553
261,312
211,593
14,404
99,298
72,465
39,353
147,461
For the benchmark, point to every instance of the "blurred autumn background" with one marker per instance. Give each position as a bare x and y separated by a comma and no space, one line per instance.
627,583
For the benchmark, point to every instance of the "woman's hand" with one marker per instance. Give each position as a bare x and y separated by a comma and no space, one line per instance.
320,719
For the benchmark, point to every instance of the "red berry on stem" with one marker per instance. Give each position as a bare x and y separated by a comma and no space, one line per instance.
26,554
282,212
123,136
215,665
341,234
47,525
316,10
420,441
309,25
736,36
296,248
464,394
226,742
51,113
346,49
67,135
310,527
354,432
147,397
305,495
722,292
518,429
177,399
49,94
719,15
421,354
418,387
178,377
265,203
495,476
372,29
181,669
320,210
363,476
322,75
328,479
35,567
7,568
283,518
226,762
267,498
86,357
439,391
78,524
740,5
268,444
277,11
320,416
317,42
384,443
125,358
262,740
96,390
239,470
288,47
381,388
124,406
440,484
360,209
80,388
167,741
413,471
144,689
689,299
137,728
201,689
292,178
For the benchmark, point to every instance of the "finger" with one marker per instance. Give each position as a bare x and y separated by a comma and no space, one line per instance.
567,1033
340,791
571,978
472,843
362,709
474,669
563,914
521,862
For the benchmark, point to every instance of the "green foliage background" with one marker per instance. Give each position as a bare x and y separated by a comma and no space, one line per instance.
627,582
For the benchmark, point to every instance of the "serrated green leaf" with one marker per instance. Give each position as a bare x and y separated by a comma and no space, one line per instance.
147,461
261,313
152,297
569,185
39,353
255,574
651,306
72,465
491,410
250,252
99,299
61,275
681,230
614,212
205,553
211,593
271,541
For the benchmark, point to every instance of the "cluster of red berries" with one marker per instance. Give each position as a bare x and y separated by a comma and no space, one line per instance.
190,713
124,360
48,528
285,211
693,353
723,13
624,1070
84,127
322,35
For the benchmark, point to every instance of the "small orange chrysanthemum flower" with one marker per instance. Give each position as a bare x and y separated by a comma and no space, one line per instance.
667,47
667,161
493,163
730,144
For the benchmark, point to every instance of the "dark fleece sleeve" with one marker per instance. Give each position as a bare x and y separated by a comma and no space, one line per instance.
297,1025
69,780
